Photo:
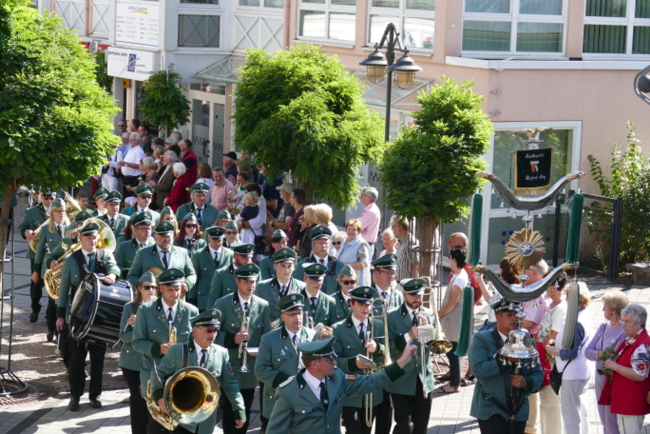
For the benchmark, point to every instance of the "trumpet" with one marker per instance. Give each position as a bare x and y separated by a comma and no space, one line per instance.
309,320
173,334
241,353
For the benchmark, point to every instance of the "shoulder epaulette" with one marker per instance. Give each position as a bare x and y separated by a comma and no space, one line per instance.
287,382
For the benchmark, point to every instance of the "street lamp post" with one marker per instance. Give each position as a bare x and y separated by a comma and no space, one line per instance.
377,64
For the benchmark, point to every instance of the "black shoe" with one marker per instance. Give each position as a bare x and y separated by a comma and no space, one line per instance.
33,317
50,336
73,405
95,403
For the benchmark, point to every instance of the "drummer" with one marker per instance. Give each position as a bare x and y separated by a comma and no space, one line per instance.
86,260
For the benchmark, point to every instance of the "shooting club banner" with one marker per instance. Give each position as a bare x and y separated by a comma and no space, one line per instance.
533,171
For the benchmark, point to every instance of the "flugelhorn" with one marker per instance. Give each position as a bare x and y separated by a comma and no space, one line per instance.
241,353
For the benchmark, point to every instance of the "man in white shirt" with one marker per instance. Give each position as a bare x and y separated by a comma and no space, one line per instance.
130,164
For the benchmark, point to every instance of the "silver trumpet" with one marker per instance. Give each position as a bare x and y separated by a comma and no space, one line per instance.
242,354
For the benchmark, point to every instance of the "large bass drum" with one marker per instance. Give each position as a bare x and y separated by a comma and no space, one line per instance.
97,310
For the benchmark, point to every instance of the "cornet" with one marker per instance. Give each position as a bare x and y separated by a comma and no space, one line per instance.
241,353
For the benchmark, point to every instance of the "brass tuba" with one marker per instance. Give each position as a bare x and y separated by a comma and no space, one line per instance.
191,395
72,207
37,233
106,241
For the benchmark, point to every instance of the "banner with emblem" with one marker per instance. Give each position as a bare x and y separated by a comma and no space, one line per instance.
533,171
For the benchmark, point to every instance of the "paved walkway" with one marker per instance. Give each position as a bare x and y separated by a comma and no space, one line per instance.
44,408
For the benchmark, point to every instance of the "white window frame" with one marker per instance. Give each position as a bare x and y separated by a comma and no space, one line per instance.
402,12
328,8
262,6
515,18
629,21
203,10
488,212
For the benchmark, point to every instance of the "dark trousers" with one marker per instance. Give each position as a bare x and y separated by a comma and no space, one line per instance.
264,420
497,424
35,290
50,314
128,181
384,415
454,366
228,421
412,411
354,420
137,406
65,347
78,351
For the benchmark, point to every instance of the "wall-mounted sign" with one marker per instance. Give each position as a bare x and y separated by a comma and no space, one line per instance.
136,24
533,171
132,64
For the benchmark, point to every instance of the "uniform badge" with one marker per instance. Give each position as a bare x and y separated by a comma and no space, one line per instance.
351,377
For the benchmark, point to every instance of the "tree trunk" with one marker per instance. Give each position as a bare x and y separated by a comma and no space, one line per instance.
12,189
430,247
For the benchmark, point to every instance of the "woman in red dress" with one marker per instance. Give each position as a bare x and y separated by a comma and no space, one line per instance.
180,194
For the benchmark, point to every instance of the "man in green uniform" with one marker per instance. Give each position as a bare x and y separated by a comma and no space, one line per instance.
35,216
279,240
205,213
224,281
126,250
347,280
383,280
201,351
321,241
238,309
163,256
273,289
320,307
100,201
278,357
160,324
86,260
206,262
143,195
312,401
113,217
411,395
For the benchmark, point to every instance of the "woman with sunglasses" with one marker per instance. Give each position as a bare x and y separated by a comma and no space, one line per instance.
189,235
232,234
130,359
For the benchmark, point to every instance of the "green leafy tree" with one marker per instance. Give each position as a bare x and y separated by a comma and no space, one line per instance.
299,111
430,168
630,181
163,103
56,120
101,71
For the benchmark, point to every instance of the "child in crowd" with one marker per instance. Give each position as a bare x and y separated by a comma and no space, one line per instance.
249,212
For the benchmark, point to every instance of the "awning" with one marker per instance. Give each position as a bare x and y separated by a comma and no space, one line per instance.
224,71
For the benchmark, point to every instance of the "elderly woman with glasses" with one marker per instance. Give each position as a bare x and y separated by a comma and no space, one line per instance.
629,387
130,359
610,335
355,252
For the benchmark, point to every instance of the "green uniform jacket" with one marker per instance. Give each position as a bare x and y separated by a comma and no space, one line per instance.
396,300
34,217
399,323
224,282
330,285
129,358
217,364
125,254
325,309
155,216
152,330
267,270
277,360
268,290
490,375
298,411
71,278
121,222
348,346
205,268
47,242
343,309
231,320
208,215
149,257
198,245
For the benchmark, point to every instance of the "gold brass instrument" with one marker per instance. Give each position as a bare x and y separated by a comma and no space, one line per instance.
367,398
241,353
440,344
105,241
72,207
309,320
378,303
323,331
191,395
155,271
37,233
173,334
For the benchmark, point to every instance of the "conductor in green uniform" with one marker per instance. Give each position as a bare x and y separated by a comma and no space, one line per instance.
202,352
312,401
